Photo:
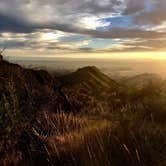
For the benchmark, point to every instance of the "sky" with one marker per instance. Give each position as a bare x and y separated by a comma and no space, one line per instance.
83,28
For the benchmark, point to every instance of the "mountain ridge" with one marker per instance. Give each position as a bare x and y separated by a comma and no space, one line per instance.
90,78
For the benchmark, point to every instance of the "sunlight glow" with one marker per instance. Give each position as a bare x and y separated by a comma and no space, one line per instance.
115,55
51,36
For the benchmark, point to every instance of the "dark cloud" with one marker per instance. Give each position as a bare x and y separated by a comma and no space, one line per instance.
11,24
155,16
134,6
13,44
153,44
14,24
69,9
20,23
87,49
146,12
82,6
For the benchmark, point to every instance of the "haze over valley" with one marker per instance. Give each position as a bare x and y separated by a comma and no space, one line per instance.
112,67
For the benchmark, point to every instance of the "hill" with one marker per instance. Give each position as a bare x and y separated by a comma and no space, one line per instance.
141,80
25,94
90,79
30,86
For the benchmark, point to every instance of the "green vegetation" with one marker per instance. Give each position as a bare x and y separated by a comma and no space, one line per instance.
83,118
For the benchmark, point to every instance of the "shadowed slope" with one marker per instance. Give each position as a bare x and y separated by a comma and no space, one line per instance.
89,78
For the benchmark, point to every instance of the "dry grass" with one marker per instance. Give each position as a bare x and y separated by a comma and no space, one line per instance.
67,140
50,124
74,140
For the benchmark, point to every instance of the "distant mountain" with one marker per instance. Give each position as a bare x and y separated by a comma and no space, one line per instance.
141,80
87,87
89,78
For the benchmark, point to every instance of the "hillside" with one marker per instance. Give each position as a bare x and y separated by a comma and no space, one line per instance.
38,89
24,93
28,84
79,119
141,80
90,79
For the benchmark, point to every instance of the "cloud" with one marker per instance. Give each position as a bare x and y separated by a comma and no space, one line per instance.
15,25
40,41
137,45
150,12
71,25
153,44
134,6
